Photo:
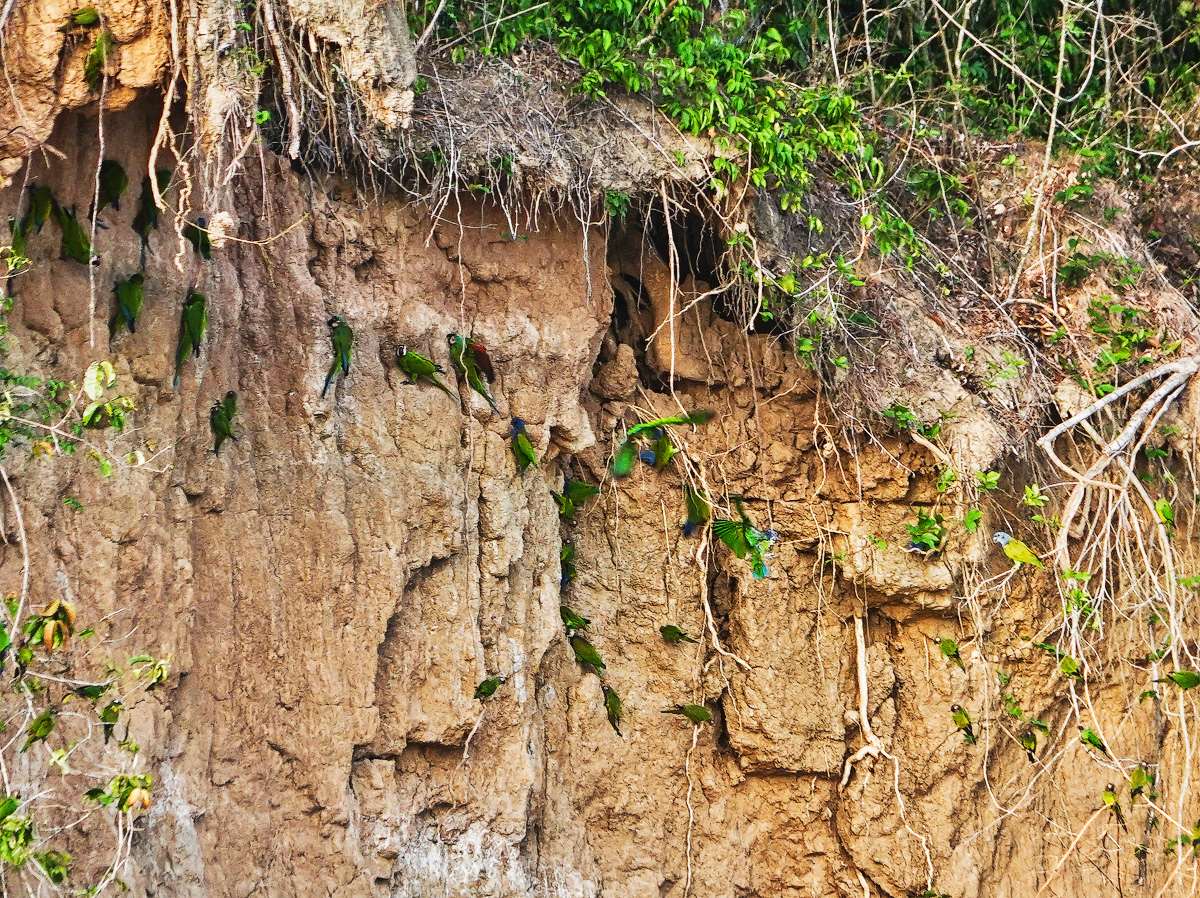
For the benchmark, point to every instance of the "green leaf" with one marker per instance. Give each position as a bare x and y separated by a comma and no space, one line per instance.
10,804
971,521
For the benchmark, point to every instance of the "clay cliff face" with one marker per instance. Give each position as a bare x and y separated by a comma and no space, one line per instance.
333,586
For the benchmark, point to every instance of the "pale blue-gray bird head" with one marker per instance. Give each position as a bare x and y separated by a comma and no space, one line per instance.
1001,538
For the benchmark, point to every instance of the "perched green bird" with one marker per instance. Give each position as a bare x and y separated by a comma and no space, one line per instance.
1184,679
695,713
41,207
950,649
342,338
612,704
699,509
1089,737
1139,779
191,329
1016,551
521,447
197,235
1165,512
146,219
221,419
92,692
109,716
471,361
488,687
574,494
113,182
1070,668
417,366
1029,743
76,244
963,721
744,539
93,63
566,560
128,305
1109,797
585,653
572,621
674,635
84,17
40,727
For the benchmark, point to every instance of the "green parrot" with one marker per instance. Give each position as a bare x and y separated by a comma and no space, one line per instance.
521,447
695,713
699,509
76,244
221,419
674,635
417,366
1165,513
745,540
659,455
39,728
1029,743
699,417
197,235
342,338
109,717
612,704
572,621
626,455
41,207
1109,797
1070,667
146,219
1184,679
1139,779
92,692
566,559
574,494
93,63
113,182
628,451
963,721
1089,737
84,17
1016,551
471,361
128,306
950,649
585,653
191,329
488,687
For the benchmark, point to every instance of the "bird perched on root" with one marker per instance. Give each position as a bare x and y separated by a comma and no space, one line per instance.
1015,550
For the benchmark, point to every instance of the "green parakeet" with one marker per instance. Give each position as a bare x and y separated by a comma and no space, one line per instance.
487,688
84,17
191,329
628,451
699,509
694,713
585,653
221,419
1139,779
612,705
573,621
574,494
699,417
1165,512
41,207
1029,743
417,366
1016,551
674,635
626,455
1070,668
113,182
1109,797
109,716
566,560
1089,737
471,361
76,244
1184,679
522,449
93,63
949,648
146,219
92,692
39,728
197,235
341,337
744,539
659,455
962,720
128,305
